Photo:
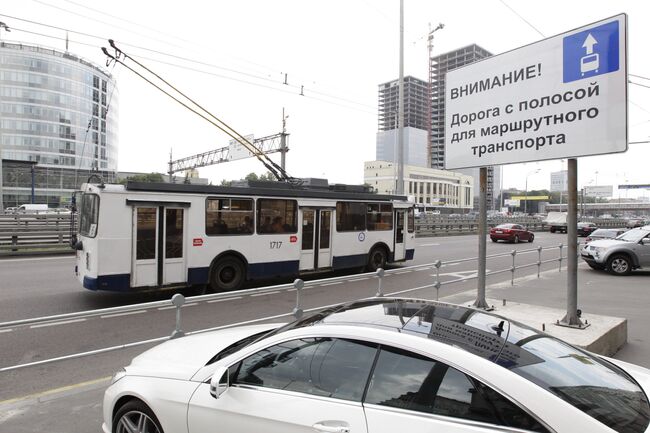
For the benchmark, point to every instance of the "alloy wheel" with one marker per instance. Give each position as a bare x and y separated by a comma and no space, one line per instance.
136,422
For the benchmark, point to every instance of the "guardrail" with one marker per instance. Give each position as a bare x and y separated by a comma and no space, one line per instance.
298,286
444,226
35,233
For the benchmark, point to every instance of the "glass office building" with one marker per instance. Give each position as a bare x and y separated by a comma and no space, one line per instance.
58,114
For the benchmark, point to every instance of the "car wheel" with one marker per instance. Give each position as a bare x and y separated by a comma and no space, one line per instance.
516,240
531,238
227,274
376,259
552,229
136,417
619,264
493,240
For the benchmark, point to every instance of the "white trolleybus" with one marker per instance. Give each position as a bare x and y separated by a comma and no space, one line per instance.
145,235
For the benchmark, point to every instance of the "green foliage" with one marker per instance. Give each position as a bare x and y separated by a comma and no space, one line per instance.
146,177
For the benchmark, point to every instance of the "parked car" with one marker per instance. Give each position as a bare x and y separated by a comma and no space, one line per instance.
585,228
604,234
620,256
511,233
378,365
633,223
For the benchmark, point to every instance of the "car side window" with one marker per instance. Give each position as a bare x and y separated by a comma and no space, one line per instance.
328,367
409,381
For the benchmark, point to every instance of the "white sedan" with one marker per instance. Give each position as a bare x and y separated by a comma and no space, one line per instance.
377,366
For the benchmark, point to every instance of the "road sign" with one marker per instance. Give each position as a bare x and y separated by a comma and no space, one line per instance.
638,186
599,191
236,150
511,202
529,197
562,97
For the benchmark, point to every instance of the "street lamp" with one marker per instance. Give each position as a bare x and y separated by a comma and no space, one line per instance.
526,194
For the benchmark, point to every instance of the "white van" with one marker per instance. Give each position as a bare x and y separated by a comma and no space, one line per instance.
32,208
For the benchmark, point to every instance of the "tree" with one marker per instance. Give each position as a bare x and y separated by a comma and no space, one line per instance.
251,176
225,182
268,176
145,177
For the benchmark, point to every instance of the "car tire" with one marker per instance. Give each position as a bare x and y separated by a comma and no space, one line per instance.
531,238
377,259
552,229
493,240
619,264
227,274
516,239
135,416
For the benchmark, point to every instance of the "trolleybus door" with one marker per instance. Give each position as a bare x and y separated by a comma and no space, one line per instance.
315,238
158,245
400,229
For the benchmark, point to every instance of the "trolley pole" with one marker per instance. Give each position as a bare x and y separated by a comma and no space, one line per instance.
482,244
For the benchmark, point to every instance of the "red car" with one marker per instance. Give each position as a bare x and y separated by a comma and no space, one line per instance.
511,232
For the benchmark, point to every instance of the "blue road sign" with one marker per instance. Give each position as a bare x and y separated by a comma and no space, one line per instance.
591,52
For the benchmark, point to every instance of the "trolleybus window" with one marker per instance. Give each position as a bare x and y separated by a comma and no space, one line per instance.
228,216
89,215
411,222
276,216
350,216
379,216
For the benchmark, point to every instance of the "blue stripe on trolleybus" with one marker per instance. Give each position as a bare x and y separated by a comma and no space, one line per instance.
353,261
410,254
116,283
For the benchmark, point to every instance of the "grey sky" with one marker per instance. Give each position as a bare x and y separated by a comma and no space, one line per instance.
339,50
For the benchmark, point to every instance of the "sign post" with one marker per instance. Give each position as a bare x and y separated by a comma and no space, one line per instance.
562,97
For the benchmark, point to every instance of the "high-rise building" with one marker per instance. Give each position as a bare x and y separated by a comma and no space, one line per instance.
415,121
440,65
58,124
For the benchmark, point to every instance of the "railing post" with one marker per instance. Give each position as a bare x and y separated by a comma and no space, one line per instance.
512,270
539,259
177,300
380,275
437,284
560,258
298,284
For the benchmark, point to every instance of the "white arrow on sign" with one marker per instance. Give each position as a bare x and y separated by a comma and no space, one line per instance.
589,44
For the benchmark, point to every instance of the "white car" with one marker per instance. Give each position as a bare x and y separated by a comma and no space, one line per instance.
377,366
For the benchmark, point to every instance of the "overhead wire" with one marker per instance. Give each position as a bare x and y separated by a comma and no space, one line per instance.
221,125
300,88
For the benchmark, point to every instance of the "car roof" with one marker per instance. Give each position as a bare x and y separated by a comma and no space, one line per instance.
472,330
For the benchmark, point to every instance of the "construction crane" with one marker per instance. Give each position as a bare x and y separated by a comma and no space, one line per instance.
266,145
187,102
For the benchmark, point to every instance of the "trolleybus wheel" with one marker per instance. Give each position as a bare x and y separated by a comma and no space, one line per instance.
377,259
227,274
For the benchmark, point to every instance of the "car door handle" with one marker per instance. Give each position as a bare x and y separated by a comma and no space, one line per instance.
340,428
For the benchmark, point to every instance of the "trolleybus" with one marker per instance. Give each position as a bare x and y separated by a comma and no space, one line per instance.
154,235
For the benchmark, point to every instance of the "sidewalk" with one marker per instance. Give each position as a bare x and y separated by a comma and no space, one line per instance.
598,293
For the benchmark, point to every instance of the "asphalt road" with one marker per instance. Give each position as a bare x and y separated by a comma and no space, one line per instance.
46,286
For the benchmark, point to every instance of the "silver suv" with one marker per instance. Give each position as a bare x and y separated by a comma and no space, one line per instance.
631,250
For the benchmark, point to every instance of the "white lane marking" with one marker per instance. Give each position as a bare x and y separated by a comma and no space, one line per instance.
264,294
192,304
37,258
5,330
224,300
404,272
63,322
128,313
359,279
429,245
331,284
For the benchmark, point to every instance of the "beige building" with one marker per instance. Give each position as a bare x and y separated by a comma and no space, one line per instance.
439,189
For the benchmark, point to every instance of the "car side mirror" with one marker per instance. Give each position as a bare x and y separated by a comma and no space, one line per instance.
219,382
645,241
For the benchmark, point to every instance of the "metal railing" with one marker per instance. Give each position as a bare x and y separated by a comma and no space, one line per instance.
34,233
298,286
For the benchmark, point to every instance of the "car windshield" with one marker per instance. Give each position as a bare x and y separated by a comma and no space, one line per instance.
596,387
634,235
504,226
